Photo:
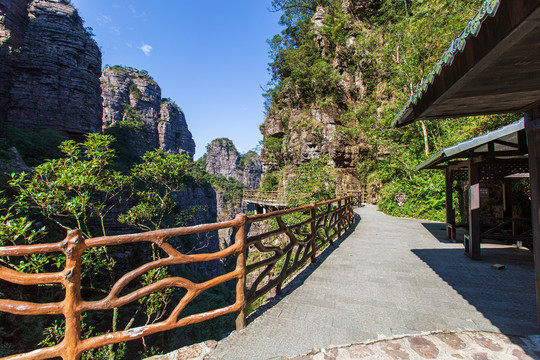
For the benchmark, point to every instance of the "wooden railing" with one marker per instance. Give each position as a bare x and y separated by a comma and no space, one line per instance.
511,229
358,197
326,222
265,196
320,225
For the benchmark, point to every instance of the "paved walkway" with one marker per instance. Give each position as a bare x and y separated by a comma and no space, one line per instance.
392,277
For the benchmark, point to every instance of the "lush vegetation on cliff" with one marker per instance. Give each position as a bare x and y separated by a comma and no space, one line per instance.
359,62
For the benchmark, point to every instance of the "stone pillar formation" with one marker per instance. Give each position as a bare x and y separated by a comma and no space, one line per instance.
49,68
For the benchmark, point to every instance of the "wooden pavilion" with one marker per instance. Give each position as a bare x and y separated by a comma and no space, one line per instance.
493,67
498,155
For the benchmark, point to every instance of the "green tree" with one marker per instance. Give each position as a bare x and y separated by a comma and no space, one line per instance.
158,178
80,186
76,190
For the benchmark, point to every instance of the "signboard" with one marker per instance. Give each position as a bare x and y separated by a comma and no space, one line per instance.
484,192
400,198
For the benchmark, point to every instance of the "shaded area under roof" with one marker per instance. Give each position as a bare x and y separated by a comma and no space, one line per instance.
492,67
506,141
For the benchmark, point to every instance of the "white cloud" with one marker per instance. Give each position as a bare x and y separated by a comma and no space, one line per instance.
107,22
104,20
136,14
146,49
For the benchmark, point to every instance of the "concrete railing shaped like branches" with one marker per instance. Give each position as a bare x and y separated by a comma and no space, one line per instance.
265,196
321,224
327,221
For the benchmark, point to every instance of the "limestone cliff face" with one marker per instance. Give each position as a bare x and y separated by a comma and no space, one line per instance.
309,135
49,68
173,130
297,134
223,159
132,95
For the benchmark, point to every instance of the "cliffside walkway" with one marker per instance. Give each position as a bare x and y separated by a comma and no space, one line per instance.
392,277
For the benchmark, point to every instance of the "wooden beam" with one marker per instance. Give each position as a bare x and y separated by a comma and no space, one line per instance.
522,141
514,20
532,127
506,143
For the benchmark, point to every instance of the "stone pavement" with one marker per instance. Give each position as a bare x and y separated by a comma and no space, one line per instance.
444,345
392,277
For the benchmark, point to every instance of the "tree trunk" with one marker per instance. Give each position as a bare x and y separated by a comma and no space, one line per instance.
426,140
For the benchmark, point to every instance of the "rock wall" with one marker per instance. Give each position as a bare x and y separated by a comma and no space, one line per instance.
131,94
223,159
173,131
296,134
49,68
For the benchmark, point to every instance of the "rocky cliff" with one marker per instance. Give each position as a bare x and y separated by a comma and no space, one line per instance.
309,125
49,68
130,95
223,159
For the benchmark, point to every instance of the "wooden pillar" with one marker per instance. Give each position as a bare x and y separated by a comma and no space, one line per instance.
532,127
507,198
474,210
450,212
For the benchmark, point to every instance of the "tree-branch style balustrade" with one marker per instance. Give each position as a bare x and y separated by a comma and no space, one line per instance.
272,196
326,222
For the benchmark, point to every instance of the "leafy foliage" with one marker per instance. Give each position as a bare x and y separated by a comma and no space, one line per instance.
143,74
78,190
312,181
132,118
270,182
135,92
387,47
159,177
79,186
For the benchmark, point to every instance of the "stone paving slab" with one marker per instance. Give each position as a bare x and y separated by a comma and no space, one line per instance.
391,277
444,345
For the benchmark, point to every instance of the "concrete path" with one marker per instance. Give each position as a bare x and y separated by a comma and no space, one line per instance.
392,277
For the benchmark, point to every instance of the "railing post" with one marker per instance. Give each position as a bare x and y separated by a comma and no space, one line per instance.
72,282
340,219
351,212
240,240
313,212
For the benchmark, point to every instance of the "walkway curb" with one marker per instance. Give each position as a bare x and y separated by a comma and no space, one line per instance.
476,345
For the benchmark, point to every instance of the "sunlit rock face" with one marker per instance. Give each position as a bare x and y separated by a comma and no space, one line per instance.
223,159
132,95
49,68
174,135
296,132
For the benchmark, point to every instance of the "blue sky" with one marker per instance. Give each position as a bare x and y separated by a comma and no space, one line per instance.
210,57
